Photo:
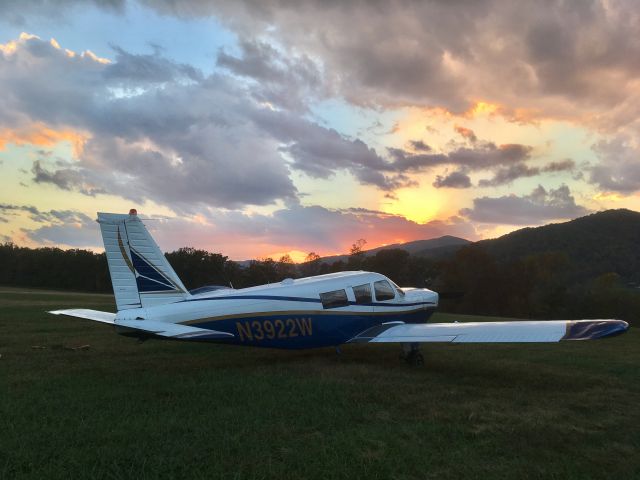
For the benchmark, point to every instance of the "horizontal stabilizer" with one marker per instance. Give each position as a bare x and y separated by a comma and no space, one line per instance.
493,332
96,315
173,330
162,329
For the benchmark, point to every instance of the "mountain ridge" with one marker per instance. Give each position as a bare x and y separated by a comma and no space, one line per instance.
414,247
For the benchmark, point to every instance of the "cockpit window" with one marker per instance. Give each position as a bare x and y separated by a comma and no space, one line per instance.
384,291
362,293
334,299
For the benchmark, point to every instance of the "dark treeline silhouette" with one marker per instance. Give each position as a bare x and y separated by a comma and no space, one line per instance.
47,267
570,270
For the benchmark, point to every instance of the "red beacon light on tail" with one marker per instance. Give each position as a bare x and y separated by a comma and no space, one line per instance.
133,211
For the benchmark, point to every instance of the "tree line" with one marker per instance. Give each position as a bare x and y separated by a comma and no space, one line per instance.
471,281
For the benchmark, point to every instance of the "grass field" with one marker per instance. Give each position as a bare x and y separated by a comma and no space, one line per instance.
178,410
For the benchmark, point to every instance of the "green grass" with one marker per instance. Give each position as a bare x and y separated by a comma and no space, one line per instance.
180,410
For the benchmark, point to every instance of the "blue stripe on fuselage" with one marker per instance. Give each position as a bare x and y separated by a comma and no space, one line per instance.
305,330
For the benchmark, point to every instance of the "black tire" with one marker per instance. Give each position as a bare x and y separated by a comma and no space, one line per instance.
418,360
415,359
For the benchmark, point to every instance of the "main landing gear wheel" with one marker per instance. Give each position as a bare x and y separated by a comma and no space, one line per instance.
415,359
411,354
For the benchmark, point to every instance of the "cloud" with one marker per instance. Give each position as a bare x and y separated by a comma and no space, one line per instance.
483,155
618,169
419,145
466,133
559,166
11,209
134,70
455,179
564,61
154,129
39,134
66,179
538,207
287,81
17,12
508,174
69,228
146,127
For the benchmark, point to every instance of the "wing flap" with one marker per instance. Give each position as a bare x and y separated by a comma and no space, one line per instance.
95,315
494,332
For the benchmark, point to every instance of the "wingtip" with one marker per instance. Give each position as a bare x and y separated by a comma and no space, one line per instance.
594,329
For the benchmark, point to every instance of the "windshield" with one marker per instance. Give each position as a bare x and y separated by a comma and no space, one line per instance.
398,289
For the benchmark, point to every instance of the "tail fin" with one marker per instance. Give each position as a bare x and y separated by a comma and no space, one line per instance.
140,273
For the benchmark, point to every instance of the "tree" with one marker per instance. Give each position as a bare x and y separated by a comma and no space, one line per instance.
285,268
311,265
356,254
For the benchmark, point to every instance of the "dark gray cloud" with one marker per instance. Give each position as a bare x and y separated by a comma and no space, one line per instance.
287,81
618,169
511,173
559,166
10,209
419,146
60,227
64,178
65,227
132,69
482,155
456,179
538,207
320,152
40,216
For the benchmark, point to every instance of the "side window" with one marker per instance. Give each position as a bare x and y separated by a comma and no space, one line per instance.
383,290
334,299
362,293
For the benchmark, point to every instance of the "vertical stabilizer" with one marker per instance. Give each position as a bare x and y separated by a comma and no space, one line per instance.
140,273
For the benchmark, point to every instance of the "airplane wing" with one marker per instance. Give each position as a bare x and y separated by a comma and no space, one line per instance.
162,329
492,332
95,315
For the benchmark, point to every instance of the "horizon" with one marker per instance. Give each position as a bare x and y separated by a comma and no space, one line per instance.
302,260
266,132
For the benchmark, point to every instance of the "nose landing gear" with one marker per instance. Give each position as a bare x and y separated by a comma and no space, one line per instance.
411,354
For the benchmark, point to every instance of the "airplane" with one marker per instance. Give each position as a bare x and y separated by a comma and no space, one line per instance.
318,311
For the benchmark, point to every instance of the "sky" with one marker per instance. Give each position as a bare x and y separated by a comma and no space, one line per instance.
262,128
